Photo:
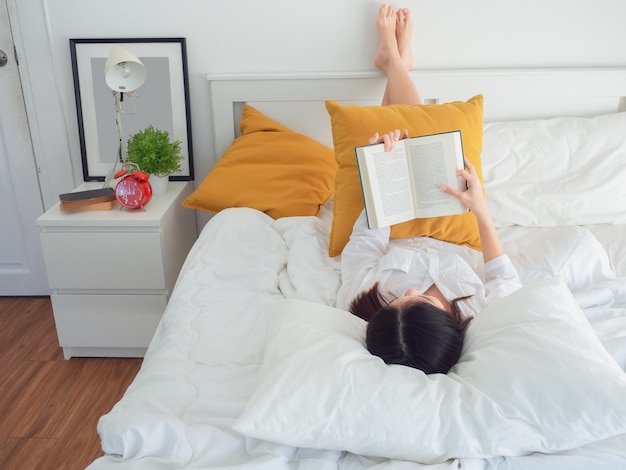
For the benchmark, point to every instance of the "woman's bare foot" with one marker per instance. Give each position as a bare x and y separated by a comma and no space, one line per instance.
387,53
404,36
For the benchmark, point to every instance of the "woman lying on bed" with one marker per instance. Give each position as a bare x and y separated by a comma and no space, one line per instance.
419,300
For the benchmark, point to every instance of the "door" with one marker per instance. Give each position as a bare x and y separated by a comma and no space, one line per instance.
22,270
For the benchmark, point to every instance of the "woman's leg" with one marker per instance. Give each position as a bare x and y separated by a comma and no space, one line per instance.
404,36
394,55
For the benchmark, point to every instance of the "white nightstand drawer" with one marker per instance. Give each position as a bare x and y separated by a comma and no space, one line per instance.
112,321
104,260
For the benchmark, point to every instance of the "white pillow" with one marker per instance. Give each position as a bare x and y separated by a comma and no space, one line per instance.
532,377
564,171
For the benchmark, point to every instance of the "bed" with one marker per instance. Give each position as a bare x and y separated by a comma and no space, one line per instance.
255,366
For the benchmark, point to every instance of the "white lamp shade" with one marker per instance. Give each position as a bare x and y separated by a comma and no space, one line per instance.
123,71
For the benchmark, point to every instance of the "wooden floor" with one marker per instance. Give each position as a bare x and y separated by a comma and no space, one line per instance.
49,407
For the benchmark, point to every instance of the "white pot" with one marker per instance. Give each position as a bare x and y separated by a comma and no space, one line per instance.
158,183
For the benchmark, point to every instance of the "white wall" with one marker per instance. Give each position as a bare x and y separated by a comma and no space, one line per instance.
296,35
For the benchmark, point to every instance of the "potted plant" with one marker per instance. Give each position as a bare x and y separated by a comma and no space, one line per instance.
152,151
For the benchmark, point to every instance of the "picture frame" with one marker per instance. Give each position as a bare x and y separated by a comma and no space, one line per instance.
162,101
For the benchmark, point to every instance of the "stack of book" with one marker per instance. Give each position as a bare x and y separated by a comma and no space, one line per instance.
102,199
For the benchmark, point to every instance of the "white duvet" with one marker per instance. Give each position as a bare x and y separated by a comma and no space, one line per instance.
204,363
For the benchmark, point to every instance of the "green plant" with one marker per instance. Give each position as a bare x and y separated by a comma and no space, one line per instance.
152,151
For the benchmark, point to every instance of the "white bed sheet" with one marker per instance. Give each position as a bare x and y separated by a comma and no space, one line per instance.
203,362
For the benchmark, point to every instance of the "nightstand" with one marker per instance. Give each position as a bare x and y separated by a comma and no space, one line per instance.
111,272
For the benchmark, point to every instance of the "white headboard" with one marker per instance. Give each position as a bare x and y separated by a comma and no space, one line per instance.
297,100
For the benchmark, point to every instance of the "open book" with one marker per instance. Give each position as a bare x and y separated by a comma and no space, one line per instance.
405,183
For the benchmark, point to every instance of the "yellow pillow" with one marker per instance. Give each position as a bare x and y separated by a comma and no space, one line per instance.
269,168
353,125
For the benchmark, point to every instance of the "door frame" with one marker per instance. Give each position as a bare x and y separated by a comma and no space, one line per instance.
38,161
44,105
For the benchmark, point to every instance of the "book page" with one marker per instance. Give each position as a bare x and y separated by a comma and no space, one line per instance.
390,191
434,161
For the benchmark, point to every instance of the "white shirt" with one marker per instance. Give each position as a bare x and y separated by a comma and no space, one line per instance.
400,264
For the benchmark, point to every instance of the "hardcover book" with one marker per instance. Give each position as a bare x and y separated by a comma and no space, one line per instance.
405,183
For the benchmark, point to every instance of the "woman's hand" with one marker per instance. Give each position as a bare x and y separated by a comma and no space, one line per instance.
472,198
389,139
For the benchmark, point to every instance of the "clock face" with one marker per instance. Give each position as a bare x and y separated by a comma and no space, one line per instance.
129,194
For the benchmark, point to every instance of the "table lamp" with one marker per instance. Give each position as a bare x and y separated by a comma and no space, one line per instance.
123,73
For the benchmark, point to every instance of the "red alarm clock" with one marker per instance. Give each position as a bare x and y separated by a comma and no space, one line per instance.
133,190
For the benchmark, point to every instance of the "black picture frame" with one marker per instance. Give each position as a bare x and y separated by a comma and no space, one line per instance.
162,101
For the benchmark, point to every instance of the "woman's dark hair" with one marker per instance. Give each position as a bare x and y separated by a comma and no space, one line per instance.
417,334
